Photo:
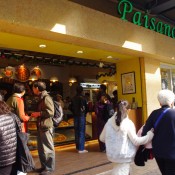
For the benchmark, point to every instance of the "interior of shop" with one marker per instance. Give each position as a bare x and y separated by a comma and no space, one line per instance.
61,74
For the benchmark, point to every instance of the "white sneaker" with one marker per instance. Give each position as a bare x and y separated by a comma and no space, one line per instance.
21,173
83,151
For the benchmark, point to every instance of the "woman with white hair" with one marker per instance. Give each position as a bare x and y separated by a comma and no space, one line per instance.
164,133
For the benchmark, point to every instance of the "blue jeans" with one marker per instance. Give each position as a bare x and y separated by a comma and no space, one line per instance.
79,126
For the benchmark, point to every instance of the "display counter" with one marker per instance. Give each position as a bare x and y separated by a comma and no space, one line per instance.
63,134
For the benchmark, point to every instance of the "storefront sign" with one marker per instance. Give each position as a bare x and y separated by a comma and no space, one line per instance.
90,85
125,8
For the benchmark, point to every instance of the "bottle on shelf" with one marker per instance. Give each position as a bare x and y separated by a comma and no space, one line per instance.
134,104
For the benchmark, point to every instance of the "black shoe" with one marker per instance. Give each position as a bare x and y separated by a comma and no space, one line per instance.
39,170
46,172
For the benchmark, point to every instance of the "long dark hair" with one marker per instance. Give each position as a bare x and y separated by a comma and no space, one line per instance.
122,107
4,108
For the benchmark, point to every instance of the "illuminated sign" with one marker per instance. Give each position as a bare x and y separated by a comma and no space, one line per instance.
125,8
90,85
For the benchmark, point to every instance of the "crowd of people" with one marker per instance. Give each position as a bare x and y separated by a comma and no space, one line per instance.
116,132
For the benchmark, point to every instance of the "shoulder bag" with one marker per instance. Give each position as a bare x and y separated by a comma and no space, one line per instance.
24,159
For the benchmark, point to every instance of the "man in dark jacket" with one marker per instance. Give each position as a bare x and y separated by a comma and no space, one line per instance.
79,110
45,128
164,133
103,110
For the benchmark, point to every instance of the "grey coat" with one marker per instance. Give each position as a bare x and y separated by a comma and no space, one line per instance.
8,140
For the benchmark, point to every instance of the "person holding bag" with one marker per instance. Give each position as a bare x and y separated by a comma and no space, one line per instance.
16,102
163,142
45,143
119,135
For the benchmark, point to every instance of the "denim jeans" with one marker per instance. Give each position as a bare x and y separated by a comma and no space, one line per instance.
79,126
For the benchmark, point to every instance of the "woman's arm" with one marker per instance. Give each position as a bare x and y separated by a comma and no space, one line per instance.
139,140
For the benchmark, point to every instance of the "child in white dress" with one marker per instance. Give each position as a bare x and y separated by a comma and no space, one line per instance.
119,135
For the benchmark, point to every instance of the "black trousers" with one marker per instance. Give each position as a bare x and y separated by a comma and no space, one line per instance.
166,166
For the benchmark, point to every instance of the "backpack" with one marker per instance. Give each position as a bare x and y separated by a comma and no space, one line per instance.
108,111
24,159
58,114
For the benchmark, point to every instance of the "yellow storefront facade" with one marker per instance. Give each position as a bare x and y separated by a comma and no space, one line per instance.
26,24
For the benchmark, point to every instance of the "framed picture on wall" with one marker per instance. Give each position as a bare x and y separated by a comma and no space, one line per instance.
128,83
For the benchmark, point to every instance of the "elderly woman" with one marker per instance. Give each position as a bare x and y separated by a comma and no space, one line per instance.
16,103
7,139
164,139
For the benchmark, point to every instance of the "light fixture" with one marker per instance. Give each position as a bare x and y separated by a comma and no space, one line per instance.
59,28
132,45
109,57
1,75
104,82
33,78
79,51
53,79
72,80
42,46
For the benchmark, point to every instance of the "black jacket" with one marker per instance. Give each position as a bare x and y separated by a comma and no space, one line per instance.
7,140
164,139
78,105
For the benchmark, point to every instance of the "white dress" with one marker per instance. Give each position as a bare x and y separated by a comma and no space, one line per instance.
120,169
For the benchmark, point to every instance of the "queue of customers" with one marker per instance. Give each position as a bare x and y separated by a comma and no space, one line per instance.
114,128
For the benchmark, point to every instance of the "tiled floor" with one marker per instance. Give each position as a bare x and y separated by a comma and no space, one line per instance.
69,162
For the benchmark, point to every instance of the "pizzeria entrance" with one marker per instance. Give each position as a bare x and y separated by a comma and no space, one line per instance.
86,72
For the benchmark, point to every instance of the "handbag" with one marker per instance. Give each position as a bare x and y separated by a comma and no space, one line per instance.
143,154
24,159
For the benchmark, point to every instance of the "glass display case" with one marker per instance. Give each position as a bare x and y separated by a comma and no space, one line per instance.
63,134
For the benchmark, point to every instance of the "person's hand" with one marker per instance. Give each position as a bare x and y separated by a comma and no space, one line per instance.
151,133
35,114
152,129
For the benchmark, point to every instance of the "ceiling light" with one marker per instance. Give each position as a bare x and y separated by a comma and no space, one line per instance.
79,51
132,45
109,57
33,78
104,82
42,46
53,79
172,58
59,28
72,80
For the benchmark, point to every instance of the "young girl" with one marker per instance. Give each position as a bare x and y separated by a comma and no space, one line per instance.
119,135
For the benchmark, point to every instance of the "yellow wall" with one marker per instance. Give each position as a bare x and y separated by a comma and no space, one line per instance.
130,66
153,84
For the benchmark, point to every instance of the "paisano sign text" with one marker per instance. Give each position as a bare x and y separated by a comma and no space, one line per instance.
125,8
